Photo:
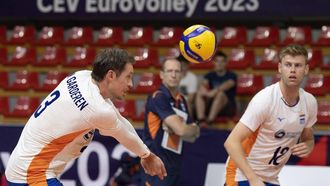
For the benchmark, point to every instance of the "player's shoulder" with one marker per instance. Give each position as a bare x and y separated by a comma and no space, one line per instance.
266,96
210,74
105,107
268,91
158,94
310,99
232,74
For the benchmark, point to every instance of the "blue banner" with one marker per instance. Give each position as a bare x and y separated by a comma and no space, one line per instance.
101,160
162,9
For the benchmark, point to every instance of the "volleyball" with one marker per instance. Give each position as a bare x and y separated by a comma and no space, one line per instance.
198,44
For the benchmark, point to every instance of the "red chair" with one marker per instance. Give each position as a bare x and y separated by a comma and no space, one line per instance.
317,84
315,58
51,36
52,79
298,35
325,65
265,36
22,56
324,36
145,57
82,57
109,36
139,115
24,80
275,78
51,57
240,59
269,60
24,107
323,112
80,36
169,36
22,35
172,52
169,53
249,84
4,102
3,34
3,55
148,83
140,36
4,80
233,36
126,108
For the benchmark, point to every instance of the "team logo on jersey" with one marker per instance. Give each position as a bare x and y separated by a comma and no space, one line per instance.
302,119
279,134
280,119
88,136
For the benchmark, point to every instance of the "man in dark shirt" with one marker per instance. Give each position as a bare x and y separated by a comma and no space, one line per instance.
216,94
166,114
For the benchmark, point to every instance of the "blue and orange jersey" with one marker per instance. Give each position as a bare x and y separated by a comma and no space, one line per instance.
160,105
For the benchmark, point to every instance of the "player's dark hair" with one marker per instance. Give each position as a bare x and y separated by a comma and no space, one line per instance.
294,50
221,54
110,59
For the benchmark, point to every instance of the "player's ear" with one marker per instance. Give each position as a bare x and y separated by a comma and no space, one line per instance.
279,67
161,74
306,69
111,74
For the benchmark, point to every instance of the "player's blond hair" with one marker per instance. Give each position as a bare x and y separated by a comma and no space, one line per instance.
293,50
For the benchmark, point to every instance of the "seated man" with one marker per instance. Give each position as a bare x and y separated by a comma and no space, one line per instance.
216,94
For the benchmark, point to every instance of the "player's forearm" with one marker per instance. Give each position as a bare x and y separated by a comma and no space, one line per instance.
190,131
128,125
180,128
190,139
310,144
127,136
236,153
307,137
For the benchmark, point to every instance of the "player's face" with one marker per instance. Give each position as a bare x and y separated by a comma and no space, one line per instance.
293,69
123,83
171,74
219,63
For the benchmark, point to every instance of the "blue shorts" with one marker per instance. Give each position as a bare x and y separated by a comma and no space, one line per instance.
246,183
50,182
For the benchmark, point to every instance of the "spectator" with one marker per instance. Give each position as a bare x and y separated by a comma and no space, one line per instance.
188,84
217,92
167,123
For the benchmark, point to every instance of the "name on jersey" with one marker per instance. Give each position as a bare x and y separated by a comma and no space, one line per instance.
75,94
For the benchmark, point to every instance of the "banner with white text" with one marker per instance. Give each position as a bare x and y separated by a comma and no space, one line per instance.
162,9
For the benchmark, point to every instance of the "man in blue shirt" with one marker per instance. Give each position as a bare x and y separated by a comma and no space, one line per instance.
167,124
216,94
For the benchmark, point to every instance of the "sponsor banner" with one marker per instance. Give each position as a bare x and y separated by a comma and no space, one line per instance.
103,157
162,9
